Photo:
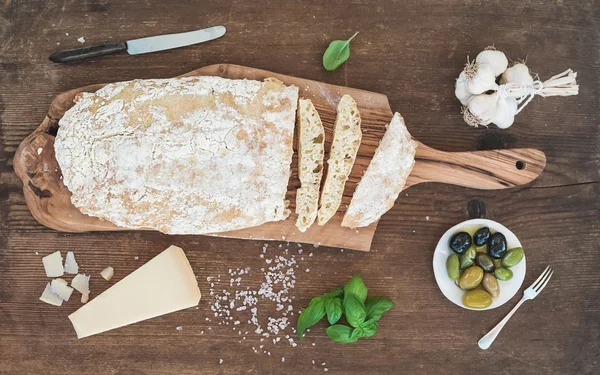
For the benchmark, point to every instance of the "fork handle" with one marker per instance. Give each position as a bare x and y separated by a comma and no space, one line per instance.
487,340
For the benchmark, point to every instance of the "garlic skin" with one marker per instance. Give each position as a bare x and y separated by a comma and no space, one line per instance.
481,78
481,109
506,109
461,90
496,59
519,74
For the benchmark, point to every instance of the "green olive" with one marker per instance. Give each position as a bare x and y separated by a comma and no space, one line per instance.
477,299
485,262
490,283
452,267
497,262
467,259
470,278
503,273
512,257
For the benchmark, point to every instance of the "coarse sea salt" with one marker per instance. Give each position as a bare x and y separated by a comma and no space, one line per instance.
239,303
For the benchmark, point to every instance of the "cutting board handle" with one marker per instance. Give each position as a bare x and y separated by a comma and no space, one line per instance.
494,169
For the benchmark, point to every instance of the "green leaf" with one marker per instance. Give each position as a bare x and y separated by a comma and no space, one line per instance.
337,292
356,287
354,309
337,53
311,315
334,310
340,333
365,329
369,327
376,306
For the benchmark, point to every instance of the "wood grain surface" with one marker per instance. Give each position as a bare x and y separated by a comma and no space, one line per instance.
49,201
411,52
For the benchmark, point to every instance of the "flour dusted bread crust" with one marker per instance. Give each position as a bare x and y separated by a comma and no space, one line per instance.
311,140
346,141
385,177
184,156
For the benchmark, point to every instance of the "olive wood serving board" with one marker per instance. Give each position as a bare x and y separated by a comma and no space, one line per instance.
49,199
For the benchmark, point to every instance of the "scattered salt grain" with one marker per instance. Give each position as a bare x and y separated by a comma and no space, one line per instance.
67,34
427,218
220,361
180,328
308,270
81,40
282,359
39,150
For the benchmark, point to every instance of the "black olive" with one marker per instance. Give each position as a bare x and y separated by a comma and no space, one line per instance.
481,237
461,242
497,245
485,262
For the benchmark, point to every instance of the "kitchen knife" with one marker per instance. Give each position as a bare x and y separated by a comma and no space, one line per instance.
139,46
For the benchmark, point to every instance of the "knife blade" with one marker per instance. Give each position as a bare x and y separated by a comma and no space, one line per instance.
142,45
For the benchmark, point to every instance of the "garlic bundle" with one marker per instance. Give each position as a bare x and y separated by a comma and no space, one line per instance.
515,90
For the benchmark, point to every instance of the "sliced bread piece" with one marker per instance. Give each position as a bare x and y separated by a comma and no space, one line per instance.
311,149
385,177
346,140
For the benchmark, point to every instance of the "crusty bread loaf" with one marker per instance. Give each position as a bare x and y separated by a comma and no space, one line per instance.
184,156
311,140
385,177
346,141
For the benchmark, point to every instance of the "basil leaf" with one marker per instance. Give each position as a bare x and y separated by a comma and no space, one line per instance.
354,310
337,292
369,327
311,315
356,287
376,306
337,53
340,333
334,310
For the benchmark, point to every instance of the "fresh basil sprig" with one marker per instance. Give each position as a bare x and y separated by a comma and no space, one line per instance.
337,53
311,315
362,312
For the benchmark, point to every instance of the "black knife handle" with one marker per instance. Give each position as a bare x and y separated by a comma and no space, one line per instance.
85,52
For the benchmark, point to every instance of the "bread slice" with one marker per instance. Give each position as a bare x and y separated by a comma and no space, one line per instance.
311,150
346,140
385,177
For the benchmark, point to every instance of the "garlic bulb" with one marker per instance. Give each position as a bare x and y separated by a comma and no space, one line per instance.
481,109
497,60
506,109
519,74
461,90
481,78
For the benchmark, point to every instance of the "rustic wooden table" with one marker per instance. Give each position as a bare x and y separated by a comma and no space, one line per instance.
410,51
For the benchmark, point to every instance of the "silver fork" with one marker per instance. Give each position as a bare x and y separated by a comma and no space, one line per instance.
530,293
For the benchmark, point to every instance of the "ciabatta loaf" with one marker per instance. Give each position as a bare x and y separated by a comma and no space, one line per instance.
385,177
346,140
184,156
311,139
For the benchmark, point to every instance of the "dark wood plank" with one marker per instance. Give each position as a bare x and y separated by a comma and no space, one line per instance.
411,52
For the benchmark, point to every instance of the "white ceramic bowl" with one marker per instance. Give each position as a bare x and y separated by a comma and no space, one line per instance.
507,288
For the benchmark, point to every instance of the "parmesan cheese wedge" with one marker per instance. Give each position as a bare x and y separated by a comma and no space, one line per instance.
163,285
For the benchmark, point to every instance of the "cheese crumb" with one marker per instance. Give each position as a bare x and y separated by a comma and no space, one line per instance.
85,298
49,297
71,265
53,264
81,283
107,273
81,40
61,289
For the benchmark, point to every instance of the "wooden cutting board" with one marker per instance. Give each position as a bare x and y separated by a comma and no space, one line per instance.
49,200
